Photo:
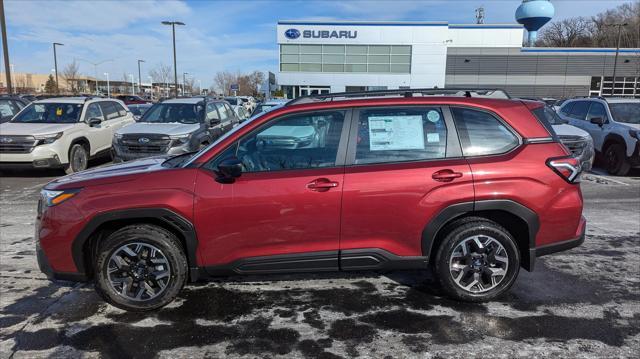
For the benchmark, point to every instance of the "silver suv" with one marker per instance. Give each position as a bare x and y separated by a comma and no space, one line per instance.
61,132
174,127
614,125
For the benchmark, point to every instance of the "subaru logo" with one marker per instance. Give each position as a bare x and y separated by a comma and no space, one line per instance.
6,140
292,34
143,140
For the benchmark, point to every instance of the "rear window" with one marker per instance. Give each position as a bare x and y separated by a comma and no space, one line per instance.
481,133
548,117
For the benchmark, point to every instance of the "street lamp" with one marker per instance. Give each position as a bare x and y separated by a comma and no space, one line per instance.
199,87
615,61
133,84
55,64
139,78
95,68
106,74
151,87
184,81
175,69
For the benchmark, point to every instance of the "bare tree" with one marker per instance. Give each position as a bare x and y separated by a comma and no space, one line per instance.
161,73
70,75
573,32
222,82
189,85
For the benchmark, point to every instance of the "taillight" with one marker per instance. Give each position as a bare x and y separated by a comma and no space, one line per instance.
569,168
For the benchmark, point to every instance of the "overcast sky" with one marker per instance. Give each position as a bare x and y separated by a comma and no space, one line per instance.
219,35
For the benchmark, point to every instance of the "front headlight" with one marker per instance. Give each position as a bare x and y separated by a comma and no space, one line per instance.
179,140
54,198
48,138
117,136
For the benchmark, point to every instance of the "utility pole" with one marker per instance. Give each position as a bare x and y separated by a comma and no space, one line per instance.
615,61
139,78
175,68
5,48
55,64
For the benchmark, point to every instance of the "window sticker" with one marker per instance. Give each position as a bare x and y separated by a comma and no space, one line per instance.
433,116
59,111
395,133
433,137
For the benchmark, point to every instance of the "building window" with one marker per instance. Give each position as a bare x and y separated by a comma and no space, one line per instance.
625,86
346,58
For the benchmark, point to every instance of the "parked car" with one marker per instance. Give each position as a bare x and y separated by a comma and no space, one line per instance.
173,127
269,105
132,99
475,187
10,106
579,142
241,112
61,132
614,125
139,109
249,102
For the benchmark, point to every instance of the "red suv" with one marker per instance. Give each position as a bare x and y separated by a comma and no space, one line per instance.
474,187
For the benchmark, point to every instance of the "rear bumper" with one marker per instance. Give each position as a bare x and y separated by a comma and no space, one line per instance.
564,245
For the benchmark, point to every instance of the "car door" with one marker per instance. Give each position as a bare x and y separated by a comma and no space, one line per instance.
404,166
597,132
124,117
225,118
578,114
235,119
283,212
99,135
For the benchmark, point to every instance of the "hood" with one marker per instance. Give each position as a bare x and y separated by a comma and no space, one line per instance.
13,128
109,174
635,126
568,130
171,129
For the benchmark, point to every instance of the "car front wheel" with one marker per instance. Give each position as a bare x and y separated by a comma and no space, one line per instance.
616,160
477,261
78,159
140,267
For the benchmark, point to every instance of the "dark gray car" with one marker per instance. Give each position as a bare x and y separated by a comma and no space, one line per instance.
174,126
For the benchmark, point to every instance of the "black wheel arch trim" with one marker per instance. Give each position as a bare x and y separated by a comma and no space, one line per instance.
166,216
613,138
457,210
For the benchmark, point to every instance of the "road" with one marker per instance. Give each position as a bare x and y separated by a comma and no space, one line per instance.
580,303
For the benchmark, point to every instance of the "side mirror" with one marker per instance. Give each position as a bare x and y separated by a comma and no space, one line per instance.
597,121
229,169
94,121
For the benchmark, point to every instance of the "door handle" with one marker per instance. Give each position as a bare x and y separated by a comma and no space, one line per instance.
321,185
446,175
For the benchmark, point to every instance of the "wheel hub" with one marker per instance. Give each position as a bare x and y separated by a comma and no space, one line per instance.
478,263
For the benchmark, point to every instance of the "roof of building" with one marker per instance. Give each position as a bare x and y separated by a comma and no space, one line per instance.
400,23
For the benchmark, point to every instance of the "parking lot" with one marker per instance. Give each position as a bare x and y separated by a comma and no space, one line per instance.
581,302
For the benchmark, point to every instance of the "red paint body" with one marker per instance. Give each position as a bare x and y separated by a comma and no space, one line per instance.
384,206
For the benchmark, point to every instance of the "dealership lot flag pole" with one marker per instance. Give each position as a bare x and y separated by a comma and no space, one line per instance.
5,48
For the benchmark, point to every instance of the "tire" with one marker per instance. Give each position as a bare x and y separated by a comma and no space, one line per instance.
162,282
615,160
500,244
78,159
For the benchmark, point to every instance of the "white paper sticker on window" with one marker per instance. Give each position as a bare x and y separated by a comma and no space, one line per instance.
395,133
433,137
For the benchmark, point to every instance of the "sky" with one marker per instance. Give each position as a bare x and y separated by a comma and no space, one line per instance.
219,35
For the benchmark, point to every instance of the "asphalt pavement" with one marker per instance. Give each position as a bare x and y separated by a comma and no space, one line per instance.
581,303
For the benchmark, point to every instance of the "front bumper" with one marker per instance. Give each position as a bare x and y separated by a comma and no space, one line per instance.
45,267
119,154
634,160
52,162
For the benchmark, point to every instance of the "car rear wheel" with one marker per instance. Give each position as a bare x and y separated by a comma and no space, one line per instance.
616,160
78,159
140,268
477,261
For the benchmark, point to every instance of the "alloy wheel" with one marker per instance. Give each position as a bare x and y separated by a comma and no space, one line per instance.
138,271
478,263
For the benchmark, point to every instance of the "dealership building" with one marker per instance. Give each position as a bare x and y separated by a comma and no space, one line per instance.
337,56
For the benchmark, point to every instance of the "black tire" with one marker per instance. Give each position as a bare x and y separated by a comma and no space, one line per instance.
78,159
163,240
462,230
615,160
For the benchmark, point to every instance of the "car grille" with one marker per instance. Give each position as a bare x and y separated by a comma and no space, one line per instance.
575,144
154,144
17,144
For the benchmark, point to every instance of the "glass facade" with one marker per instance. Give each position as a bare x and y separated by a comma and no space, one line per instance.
624,86
346,58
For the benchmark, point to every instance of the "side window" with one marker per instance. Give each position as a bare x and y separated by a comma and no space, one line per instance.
93,111
109,110
229,110
297,142
212,113
224,116
566,109
481,133
597,110
121,110
400,134
579,110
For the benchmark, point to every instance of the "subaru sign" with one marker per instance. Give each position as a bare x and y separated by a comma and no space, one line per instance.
292,34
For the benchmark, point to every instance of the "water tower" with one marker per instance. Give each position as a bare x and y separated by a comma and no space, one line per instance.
533,14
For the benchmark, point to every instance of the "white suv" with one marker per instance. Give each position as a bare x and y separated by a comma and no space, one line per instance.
61,132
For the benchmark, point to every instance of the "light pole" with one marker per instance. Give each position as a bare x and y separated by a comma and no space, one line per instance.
151,82
133,84
139,78
199,87
5,48
615,61
184,81
106,74
175,69
55,64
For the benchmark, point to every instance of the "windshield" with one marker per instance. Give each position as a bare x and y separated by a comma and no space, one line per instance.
626,112
232,100
8,108
50,113
174,112
139,110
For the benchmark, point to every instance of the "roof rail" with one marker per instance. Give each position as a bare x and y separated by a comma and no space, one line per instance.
592,96
466,92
